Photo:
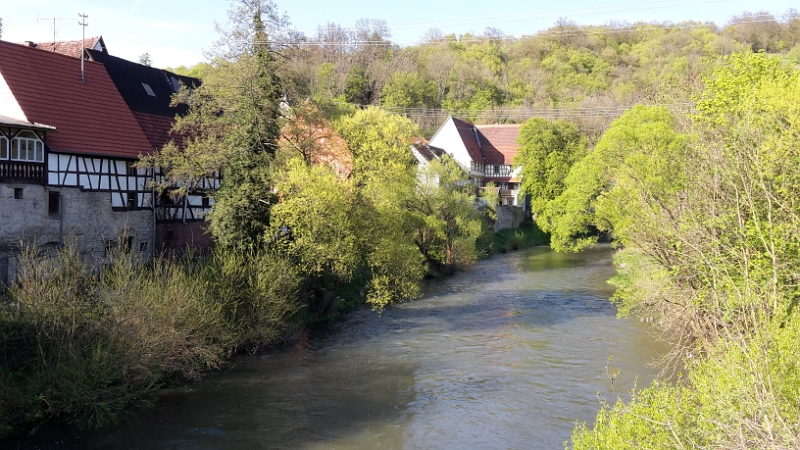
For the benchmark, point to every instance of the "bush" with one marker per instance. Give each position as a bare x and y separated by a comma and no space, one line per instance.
83,344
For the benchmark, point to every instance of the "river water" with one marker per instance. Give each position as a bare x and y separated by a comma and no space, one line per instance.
508,355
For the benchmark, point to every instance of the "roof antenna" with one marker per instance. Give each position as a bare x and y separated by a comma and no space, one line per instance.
83,25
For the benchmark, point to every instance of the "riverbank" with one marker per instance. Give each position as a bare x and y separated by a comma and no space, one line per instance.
83,347
508,353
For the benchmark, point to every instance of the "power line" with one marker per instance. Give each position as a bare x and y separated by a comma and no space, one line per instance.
523,113
597,30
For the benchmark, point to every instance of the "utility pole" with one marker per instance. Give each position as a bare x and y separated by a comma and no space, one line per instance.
83,25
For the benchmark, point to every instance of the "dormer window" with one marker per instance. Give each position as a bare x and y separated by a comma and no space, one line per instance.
148,89
27,147
3,147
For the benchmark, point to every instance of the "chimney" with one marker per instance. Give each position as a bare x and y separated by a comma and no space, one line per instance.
30,44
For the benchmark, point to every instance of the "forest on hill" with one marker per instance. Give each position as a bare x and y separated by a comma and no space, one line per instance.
588,73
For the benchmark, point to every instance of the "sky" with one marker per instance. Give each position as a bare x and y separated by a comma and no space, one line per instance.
176,32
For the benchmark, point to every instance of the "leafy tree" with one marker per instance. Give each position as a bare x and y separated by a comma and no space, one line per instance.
444,217
232,127
408,90
547,151
145,59
632,178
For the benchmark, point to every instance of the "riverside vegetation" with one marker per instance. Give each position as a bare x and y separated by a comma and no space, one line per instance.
321,207
303,230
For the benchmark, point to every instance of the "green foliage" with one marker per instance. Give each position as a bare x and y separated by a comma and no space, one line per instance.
547,150
632,179
444,217
83,345
379,142
408,90
711,254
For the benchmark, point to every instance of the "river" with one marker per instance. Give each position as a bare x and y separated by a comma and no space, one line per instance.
507,355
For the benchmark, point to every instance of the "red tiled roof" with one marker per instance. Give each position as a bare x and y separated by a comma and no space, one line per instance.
68,48
158,129
499,143
90,118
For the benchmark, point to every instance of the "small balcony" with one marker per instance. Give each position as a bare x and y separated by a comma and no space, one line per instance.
23,172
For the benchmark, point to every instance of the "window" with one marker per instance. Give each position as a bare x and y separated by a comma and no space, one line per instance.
131,201
3,147
127,244
109,247
18,193
206,202
54,204
148,89
143,246
490,170
27,147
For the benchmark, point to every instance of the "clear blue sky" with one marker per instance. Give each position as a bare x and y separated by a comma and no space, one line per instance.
176,32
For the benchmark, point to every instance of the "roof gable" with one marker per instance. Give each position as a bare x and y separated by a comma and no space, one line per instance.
90,118
73,48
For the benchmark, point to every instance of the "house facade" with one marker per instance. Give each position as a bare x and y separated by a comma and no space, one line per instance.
68,150
148,91
486,152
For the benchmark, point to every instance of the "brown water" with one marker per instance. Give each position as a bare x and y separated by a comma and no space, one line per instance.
509,355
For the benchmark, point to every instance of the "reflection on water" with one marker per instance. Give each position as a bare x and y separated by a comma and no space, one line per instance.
509,354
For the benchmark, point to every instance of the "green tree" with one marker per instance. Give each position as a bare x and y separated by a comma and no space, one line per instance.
547,151
443,214
633,176
233,127
408,90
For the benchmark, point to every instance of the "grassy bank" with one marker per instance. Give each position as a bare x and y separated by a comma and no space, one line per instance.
83,346
526,236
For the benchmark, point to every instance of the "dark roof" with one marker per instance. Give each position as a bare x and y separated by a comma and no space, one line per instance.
129,77
490,144
90,118
429,152
71,48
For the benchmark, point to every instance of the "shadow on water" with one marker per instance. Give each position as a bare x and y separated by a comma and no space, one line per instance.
509,354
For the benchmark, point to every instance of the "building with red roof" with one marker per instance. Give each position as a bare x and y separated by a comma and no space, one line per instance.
69,143
487,152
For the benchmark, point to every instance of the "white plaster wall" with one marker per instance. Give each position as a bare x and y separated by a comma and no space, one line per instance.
9,107
447,138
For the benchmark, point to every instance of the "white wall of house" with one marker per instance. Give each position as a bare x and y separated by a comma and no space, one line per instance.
9,107
448,139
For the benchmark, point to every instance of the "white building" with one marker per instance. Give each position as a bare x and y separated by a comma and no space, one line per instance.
487,152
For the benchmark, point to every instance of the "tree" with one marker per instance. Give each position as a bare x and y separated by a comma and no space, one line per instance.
145,59
444,217
547,151
232,127
625,186
408,90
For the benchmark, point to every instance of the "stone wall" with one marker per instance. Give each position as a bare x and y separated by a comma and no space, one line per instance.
508,217
88,220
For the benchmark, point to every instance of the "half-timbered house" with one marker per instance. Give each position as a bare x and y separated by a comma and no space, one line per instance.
486,152
148,93
67,154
